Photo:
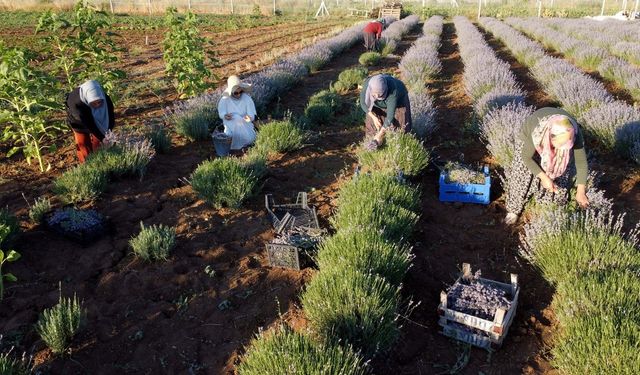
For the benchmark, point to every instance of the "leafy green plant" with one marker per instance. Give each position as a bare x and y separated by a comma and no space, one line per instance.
370,58
184,54
27,95
39,208
8,220
353,77
11,256
195,124
154,242
344,305
224,182
159,137
395,222
80,184
13,366
322,107
366,251
81,46
401,152
380,186
279,136
58,325
287,352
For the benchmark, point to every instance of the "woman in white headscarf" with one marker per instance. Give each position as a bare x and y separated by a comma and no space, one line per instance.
90,116
237,112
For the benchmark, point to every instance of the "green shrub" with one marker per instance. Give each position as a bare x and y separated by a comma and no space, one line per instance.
387,47
80,184
341,87
319,113
59,324
344,305
610,292
224,182
401,152
326,97
12,366
289,352
159,137
40,207
10,221
154,242
370,59
580,247
380,187
598,344
396,222
366,251
194,124
353,77
255,162
279,136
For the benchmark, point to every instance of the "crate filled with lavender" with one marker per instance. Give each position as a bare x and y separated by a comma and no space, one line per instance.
460,183
82,226
288,216
478,311
294,248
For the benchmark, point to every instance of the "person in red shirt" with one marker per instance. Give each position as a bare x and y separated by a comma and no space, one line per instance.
372,33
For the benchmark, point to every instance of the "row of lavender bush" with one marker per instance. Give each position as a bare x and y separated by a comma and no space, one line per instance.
276,79
619,38
613,124
418,65
393,34
498,99
583,54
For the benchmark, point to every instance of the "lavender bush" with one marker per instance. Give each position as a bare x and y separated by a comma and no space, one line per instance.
581,95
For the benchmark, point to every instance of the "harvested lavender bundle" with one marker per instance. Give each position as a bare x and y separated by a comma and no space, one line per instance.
477,298
372,145
462,174
305,238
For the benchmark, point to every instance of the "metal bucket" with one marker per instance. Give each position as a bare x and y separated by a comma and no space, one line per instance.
221,143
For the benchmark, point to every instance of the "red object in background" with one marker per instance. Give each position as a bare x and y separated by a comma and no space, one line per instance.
373,27
86,143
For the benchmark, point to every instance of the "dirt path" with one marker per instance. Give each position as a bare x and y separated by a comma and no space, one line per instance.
452,234
619,177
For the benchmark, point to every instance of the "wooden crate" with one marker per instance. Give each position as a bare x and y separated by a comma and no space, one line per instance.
390,12
476,331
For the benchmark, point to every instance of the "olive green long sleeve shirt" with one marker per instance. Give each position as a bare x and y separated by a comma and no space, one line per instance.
396,93
529,149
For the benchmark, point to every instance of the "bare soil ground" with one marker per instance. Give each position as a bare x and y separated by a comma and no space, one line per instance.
170,317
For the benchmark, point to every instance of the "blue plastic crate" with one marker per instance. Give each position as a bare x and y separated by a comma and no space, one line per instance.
466,193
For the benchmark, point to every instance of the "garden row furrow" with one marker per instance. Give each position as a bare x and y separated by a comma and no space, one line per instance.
612,124
351,304
583,54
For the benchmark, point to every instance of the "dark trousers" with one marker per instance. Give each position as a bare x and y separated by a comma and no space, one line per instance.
371,42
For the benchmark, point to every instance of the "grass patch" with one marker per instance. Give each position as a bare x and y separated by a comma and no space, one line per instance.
39,208
400,152
370,58
279,136
289,352
224,181
344,305
58,325
80,184
366,251
154,242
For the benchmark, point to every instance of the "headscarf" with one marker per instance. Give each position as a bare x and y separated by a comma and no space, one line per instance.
233,82
554,161
376,90
90,91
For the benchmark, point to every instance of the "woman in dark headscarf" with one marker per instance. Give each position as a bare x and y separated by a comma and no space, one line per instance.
90,116
386,102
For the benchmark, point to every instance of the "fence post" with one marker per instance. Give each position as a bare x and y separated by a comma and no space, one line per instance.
479,5
274,7
539,8
111,5
189,4
149,5
602,10
231,6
